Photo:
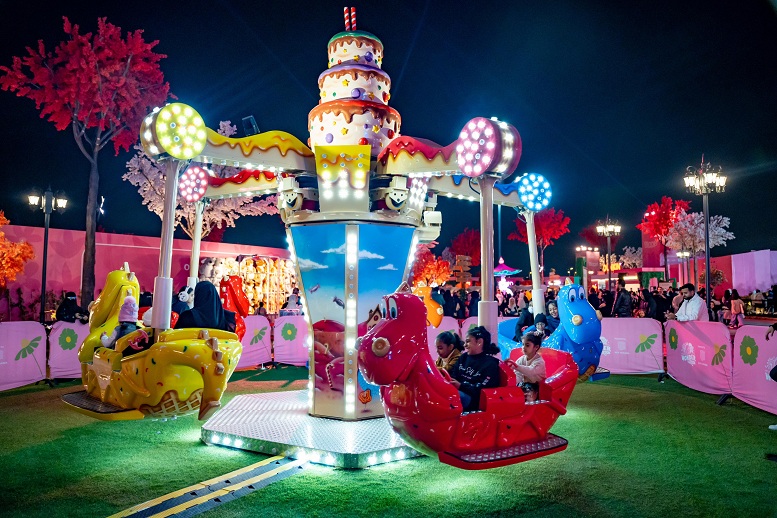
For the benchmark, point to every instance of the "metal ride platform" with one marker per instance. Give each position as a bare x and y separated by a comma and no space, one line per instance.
278,423
90,406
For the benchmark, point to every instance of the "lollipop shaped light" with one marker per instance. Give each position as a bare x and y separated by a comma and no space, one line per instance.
176,129
488,146
193,184
534,191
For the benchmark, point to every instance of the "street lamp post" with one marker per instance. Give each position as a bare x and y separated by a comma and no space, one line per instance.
608,229
701,180
683,255
47,203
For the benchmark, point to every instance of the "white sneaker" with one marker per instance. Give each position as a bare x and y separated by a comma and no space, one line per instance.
773,427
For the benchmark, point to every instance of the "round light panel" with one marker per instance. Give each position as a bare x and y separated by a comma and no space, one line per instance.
534,191
176,129
193,183
488,146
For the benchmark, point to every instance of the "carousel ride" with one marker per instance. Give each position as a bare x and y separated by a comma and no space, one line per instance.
355,200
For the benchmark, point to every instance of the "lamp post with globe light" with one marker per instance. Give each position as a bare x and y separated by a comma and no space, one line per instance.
702,180
47,203
608,229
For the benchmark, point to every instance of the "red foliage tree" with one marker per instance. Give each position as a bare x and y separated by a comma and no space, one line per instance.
467,243
659,220
101,86
549,225
12,256
429,268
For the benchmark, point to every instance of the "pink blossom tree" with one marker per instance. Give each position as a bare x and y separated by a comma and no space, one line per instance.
145,174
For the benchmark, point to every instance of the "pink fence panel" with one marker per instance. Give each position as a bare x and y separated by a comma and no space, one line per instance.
64,340
257,342
754,358
290,340
698,355
632,346
467,324
447,324
22,354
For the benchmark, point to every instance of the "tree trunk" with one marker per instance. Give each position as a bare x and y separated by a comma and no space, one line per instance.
666,266
87,275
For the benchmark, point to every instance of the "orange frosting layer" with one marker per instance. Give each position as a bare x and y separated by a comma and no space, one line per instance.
350,108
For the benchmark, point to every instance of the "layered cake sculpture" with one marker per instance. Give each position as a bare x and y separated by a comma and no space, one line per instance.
353,109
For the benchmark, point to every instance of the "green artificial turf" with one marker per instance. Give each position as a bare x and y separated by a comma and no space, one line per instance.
636,448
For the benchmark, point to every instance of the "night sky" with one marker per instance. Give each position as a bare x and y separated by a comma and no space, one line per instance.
612,99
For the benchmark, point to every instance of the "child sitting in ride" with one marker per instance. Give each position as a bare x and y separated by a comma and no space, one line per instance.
449,347
477,368
530,368
540,327
128,322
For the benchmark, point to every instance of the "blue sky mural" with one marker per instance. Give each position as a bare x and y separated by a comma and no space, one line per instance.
383,251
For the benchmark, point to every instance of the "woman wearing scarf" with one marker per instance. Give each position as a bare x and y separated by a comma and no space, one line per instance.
207,311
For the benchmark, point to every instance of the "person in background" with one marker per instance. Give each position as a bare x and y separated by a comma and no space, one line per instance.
146,299
692,307
648,304
678,299
261,310
662,304
449,308
552,317
207,311
504,302
477,368
511,309
525,319
474,298
608,299
737,310
593,298
622,307
716,306
530,368
461,304
449,348
70,311
724,314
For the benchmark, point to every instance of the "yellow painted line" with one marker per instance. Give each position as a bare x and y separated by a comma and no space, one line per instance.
226,490
195,487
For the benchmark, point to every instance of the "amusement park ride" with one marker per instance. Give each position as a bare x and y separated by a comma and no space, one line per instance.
355,200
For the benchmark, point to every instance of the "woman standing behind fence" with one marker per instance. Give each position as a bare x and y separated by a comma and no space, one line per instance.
737,310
